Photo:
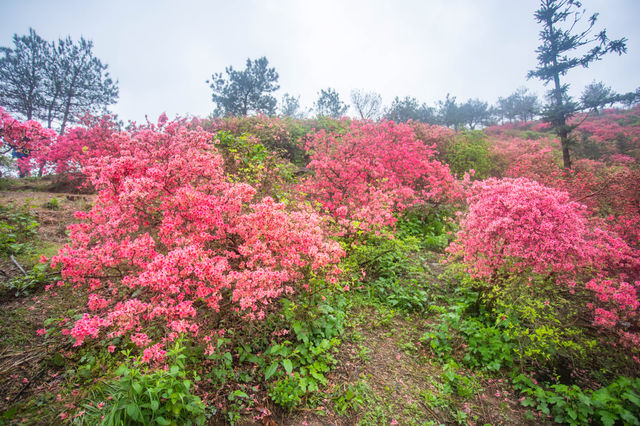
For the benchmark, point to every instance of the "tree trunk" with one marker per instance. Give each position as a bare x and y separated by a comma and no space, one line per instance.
67,109
50,111
566,157
64,118
67,106
560,119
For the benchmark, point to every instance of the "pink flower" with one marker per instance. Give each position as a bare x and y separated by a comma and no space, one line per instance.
153,353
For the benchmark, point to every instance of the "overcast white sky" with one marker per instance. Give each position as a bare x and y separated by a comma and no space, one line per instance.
161,52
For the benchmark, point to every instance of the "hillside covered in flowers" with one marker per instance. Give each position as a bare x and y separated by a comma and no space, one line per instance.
264,270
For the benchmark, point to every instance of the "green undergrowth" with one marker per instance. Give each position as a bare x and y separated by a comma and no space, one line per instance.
249,160
470,150
139,395
392,269
618,402
33,183
219,383
18,230
562,372
20,247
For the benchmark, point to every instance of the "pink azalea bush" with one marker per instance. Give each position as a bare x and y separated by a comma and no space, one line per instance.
610,189
608,133
365,176
28,138
616,308
438,137
171,239
46,152
519,219
538,159
74,150
520,227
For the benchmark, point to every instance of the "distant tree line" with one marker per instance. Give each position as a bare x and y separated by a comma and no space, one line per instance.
250,91
61,81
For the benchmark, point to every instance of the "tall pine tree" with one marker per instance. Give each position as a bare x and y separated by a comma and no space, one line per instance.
57,82
564,48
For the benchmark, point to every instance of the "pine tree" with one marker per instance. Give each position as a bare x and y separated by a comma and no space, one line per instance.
564,48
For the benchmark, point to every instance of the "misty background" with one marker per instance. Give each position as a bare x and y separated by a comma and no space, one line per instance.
162,53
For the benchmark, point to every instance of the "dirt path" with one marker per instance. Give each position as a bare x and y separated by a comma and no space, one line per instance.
398,381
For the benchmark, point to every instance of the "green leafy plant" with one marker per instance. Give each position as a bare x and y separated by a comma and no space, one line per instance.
432,226
222,370
517,324
145,396
487,347
470,150
52,204
617,402
393,272
288,391
18,229
484,345
35,278
349,397
248,160
459,384
301,364
238,400
392,267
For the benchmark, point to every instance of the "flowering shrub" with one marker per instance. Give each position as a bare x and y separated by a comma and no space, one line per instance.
609,187
526,129
611,132
520,157
170,238
598,137
432,135
520,223
616,308
25,139
248,160
609,190
519,227
64,155
375,170
71,152
277,134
